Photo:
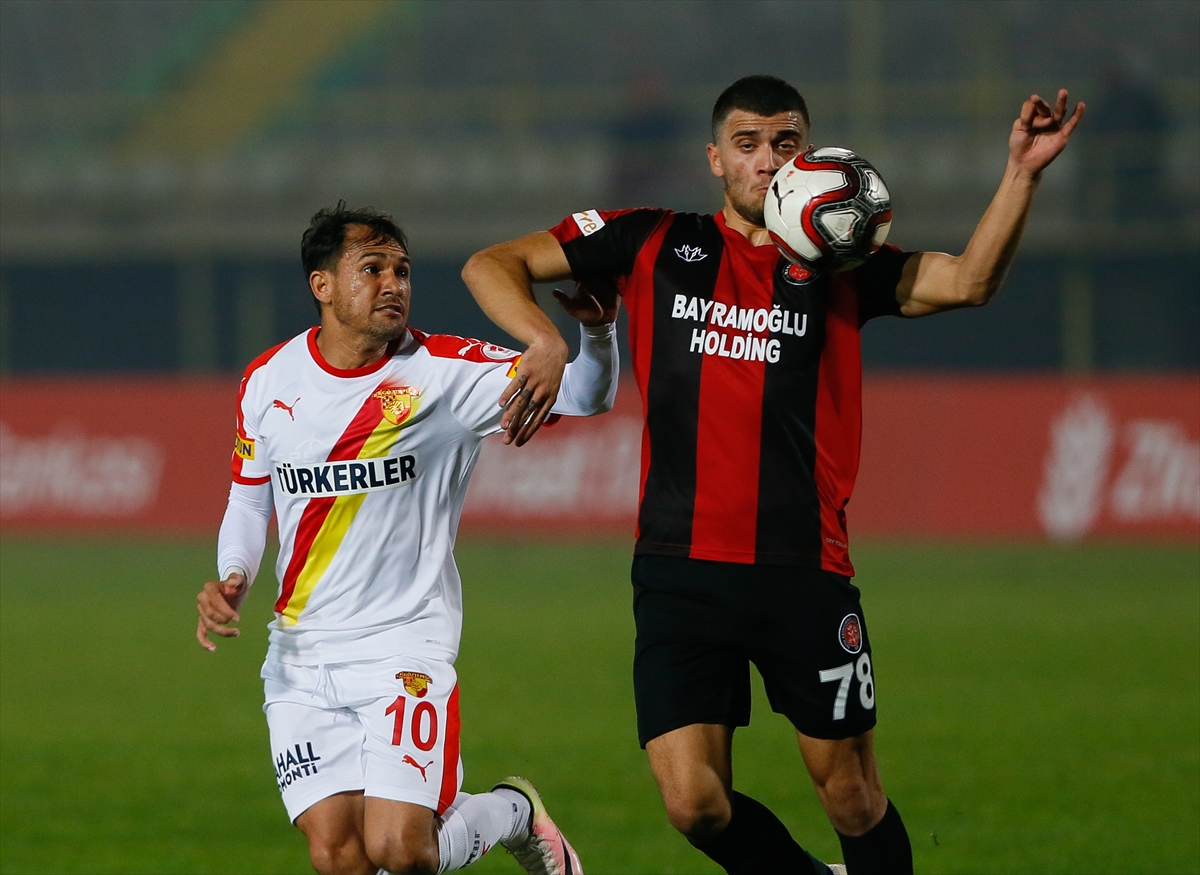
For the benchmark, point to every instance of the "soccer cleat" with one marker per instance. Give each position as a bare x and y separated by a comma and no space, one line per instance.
540,848
836,868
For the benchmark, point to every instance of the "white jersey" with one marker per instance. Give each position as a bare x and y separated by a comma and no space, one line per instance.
368,471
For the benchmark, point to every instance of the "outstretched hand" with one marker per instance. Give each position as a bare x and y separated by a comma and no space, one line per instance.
218,605
1041,132
595,302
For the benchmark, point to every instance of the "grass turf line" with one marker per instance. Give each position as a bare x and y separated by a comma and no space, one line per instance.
1038,705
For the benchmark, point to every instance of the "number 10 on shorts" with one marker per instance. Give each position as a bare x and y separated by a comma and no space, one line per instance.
846,673
424,728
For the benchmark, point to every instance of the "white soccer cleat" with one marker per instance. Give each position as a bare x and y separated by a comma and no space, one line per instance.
541,848
836,868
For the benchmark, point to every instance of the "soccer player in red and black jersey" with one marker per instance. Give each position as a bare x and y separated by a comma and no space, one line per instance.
750,375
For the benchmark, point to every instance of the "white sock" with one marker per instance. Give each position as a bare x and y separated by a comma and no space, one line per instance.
474,824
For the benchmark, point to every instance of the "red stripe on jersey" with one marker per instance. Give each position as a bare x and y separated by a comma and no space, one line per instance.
236,463
838,432
450,754
251,481
348,446
728,447
641,329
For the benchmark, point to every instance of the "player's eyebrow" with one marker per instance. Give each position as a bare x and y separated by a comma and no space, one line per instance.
382,253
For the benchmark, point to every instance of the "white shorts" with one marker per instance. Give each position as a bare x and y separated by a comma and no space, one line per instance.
388,728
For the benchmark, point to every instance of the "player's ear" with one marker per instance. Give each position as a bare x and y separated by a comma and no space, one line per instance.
714,161
322,288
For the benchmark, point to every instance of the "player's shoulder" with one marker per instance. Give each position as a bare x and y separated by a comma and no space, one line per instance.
280,358
447,348
585,223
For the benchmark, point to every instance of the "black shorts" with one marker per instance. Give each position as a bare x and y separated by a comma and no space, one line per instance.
700,624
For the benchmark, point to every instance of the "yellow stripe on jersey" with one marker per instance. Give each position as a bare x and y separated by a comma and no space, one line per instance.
333,530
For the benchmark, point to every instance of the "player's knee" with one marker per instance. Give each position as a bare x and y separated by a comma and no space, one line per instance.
852,804
403,857
338,858
699,816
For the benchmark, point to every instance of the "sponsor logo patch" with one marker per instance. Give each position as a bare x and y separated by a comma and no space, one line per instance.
691,253
850,634
294,763
347,478
243,446
589,222
396,404
416,683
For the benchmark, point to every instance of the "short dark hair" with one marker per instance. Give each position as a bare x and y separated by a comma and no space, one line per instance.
761,95
323,242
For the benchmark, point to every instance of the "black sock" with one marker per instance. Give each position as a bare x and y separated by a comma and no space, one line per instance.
884,849
757,843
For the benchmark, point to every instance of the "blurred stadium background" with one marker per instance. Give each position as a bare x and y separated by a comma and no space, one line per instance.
158,162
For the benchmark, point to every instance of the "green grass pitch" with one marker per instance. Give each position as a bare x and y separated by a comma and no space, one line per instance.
1039,710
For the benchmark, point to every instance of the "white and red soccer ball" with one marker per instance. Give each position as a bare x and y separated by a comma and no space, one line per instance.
828,209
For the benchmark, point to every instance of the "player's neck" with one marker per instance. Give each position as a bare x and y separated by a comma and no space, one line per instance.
347,350
735,221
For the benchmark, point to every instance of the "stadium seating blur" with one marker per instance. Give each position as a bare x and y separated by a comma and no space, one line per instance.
158,161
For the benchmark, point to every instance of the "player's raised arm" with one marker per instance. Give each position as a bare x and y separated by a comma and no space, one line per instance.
934,281
501,278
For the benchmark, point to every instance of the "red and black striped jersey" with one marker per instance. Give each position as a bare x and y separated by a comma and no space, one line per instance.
751,380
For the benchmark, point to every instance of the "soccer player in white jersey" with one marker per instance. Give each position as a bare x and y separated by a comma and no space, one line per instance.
362,435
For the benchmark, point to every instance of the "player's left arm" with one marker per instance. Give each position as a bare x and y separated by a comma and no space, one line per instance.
935,281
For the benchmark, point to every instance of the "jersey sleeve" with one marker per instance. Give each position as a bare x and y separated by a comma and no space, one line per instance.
473,374
876,280
249,462
605,243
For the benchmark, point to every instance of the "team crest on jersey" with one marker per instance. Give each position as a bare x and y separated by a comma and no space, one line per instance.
415,683
397,403
850,634
243,446
797,275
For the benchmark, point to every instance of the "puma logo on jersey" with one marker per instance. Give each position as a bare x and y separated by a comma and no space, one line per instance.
408,760
691,253
279,405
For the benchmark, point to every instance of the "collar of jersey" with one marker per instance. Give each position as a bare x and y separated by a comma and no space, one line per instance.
315,352
766,252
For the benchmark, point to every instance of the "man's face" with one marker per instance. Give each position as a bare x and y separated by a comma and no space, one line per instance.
369,289
748,151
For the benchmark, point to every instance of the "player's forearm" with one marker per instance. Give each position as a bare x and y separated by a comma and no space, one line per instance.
502,285
589,384
243,535
982,266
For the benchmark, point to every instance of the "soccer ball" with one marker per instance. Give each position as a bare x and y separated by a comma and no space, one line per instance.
828,208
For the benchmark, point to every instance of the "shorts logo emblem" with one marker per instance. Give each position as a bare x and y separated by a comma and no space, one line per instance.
408,760
850,634
397,403
415,683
